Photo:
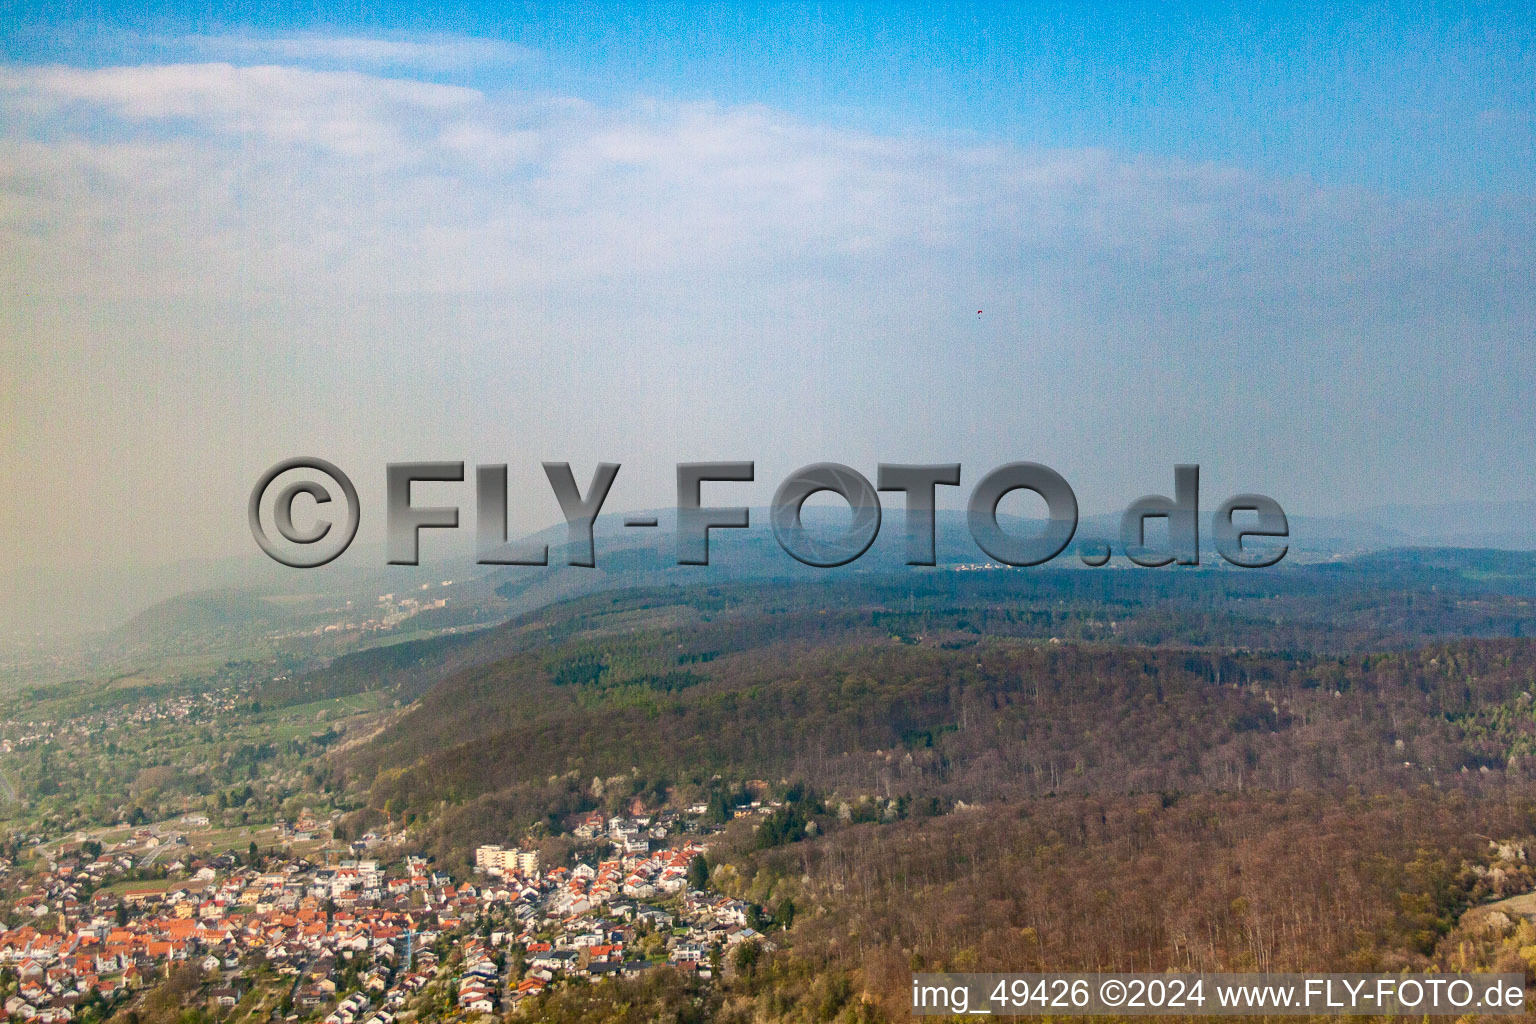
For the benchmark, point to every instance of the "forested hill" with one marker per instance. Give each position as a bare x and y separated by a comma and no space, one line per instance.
1389,600
975,686
1005,770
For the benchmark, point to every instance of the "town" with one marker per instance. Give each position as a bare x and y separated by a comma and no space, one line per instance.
344,938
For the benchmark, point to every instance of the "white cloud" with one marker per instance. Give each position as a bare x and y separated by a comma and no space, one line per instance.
356,115
147,177
370,182
432,53
708,271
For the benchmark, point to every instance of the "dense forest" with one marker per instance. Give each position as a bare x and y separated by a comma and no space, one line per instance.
1209,770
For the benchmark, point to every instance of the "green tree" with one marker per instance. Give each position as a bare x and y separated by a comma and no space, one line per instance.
698,872
745,958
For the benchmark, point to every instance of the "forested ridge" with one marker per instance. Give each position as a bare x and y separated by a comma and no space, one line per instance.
1123,771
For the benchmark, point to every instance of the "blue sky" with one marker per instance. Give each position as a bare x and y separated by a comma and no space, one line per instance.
1296,249
1411,98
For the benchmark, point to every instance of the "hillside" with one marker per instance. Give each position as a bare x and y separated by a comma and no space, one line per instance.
1017,684
202,618
1008,770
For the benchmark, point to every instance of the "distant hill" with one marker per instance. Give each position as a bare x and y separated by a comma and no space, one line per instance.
200,617
1508,525
1384,599
281,601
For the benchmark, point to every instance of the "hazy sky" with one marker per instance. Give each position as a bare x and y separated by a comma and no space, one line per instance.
1297,252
